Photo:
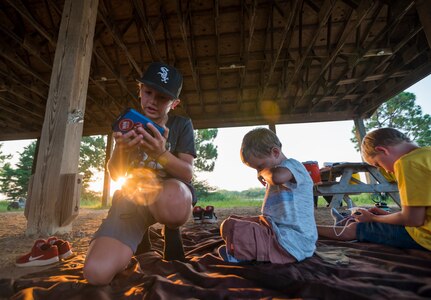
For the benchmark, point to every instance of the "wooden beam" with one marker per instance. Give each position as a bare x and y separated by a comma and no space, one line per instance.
217,43
379,36
116,36
20,7
324,15
359,129
285,37
62,129
423,8
380,66
189,49
106,177
366,6
148,31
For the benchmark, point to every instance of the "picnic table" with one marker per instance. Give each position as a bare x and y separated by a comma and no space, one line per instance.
347,185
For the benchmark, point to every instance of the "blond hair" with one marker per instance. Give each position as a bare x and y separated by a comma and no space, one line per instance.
381,137
259,143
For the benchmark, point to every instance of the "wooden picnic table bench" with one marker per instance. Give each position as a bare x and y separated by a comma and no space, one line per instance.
347,185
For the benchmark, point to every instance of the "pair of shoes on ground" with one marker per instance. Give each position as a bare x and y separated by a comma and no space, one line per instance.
207,215
45,252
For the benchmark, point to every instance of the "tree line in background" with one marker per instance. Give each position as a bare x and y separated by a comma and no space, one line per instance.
399,112
403,113
14,179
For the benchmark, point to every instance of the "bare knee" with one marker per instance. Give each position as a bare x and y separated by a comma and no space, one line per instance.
96,274
101,266
226,228
174,205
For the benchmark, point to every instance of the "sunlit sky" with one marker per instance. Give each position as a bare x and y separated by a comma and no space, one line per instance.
321,142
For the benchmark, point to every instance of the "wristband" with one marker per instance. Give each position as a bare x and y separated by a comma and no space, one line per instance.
157,158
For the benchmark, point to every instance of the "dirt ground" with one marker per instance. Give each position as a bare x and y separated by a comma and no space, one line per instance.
14,242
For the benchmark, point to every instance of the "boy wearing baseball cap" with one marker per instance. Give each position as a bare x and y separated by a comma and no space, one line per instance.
159,169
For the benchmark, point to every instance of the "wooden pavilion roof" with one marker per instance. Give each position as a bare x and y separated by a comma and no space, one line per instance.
245,62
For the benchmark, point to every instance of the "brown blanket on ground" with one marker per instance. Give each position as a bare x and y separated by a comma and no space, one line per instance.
338,270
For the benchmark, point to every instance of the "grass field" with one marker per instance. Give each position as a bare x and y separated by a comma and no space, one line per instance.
225,199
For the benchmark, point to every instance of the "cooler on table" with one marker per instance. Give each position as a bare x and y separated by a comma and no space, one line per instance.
313,169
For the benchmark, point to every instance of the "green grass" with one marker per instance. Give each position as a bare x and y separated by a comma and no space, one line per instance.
3,206
91,200
359,200
230,204
88,200
229,200
221,199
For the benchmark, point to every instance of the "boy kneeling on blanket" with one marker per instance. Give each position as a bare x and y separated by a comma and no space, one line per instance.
286,230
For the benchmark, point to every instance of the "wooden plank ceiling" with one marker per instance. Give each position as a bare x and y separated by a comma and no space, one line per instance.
245,62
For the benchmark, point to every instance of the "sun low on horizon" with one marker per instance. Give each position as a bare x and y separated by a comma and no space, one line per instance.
97,184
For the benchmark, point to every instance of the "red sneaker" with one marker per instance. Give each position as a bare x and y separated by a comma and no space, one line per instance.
64,248
41,254
209,215
198,214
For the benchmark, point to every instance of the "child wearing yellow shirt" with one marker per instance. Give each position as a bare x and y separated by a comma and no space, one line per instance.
410,164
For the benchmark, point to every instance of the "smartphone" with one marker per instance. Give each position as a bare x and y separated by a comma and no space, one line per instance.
131,119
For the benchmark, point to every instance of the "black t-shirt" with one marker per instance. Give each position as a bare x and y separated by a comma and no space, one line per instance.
180,140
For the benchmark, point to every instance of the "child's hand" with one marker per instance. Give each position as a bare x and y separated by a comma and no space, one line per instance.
261,179
126,141
275,175
378,211
362,215
265,176
153,143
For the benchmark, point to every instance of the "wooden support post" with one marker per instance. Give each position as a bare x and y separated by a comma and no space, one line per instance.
360,129
106,177
58,153
360,132
68,205
272,128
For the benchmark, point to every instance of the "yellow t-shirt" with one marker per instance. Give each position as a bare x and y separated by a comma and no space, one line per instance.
390,177
413,173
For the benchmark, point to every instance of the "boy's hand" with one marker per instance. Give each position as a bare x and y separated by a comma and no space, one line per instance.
378,211
275,175
154,144
261,179
126,141
265,176
362,215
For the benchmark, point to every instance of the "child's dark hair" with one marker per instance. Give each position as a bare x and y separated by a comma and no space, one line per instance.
258,142
381,137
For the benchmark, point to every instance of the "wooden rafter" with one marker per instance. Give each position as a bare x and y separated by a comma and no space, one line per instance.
285,36
118,40
25,13
373,69
189,48
323,63
362,13
152,44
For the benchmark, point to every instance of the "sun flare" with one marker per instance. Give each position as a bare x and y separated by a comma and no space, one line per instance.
117,184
